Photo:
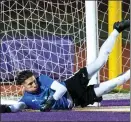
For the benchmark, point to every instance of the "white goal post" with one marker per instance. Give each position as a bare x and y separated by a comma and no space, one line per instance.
92,35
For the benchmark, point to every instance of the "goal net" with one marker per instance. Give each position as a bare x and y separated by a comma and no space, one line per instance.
103,23
49,37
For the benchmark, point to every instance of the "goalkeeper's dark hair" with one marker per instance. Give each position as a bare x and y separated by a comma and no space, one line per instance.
24,75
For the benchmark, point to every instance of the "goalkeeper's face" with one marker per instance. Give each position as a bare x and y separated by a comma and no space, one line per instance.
30,84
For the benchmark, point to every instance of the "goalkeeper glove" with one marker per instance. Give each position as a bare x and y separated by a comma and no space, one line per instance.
48,104
5,109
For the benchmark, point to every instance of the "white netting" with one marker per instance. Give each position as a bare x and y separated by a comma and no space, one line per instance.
43,36
47,36
103,34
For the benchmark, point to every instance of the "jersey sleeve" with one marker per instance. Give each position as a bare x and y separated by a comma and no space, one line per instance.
23,100
45,80
31,102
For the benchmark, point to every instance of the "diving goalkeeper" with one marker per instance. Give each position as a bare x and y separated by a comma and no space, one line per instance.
45,94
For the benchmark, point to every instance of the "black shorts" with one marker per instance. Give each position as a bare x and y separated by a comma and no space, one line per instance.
81,93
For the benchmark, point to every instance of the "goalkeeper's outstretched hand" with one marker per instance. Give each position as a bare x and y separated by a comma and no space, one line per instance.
48,104
5,109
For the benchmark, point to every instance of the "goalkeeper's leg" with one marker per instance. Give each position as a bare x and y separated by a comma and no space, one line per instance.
107,48
107,86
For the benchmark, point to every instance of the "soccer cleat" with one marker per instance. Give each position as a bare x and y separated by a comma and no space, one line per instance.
120,26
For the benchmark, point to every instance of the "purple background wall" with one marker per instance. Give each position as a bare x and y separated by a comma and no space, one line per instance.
53,56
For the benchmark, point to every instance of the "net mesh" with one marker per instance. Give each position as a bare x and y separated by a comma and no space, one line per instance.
49,37
103,34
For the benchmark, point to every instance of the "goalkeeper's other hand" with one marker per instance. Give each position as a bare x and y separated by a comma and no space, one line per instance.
5,109
48,104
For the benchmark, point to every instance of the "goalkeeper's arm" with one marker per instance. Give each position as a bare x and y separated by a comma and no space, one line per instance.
5,109
60,90
19,106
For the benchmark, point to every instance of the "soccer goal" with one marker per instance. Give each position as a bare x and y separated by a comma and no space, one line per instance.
49,37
